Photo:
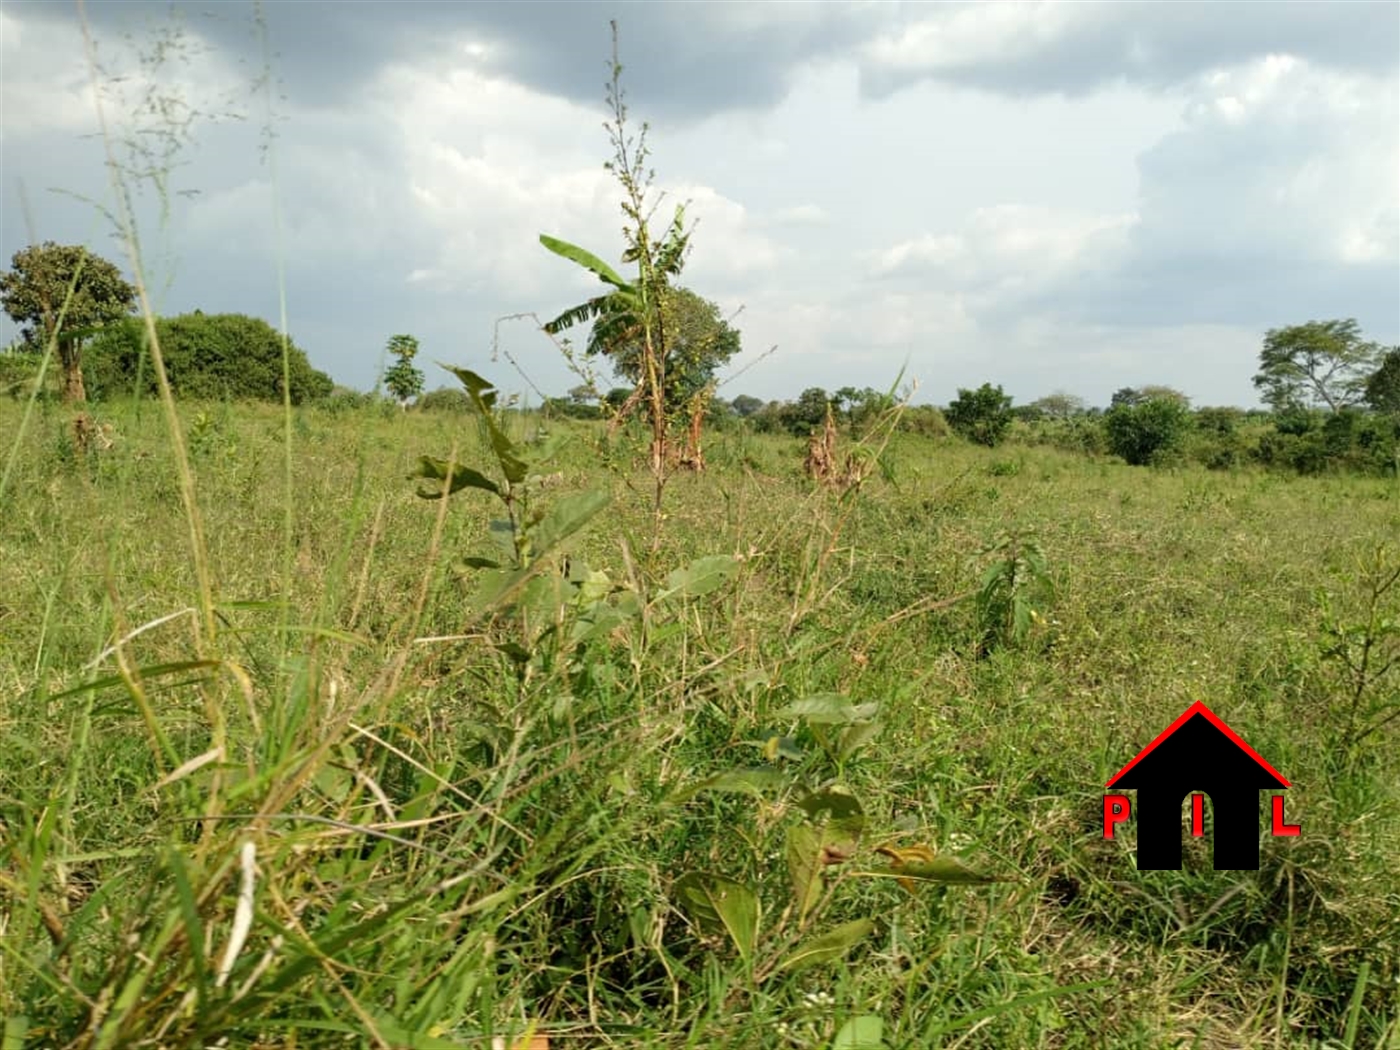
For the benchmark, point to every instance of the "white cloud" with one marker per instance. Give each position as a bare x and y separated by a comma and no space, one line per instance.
802,215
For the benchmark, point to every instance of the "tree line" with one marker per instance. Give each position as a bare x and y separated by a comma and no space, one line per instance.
1333,396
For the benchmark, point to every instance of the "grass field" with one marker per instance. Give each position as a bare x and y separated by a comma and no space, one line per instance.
346,799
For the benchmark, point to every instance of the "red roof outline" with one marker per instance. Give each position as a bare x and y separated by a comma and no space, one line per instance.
1199,708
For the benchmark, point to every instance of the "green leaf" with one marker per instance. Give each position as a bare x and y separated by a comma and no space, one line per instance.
566,517
804,850
484,397
481,391
701,576
947,870
854,737
716,902
833,944
583,257
473,562
829,709
456,476
860,1033
839,804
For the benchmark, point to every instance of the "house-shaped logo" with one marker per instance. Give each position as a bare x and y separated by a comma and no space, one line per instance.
1197,753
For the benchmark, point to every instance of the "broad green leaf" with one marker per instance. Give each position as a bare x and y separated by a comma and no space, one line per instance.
484,397
502,533
566,517
735,782
860,1033
829,709
839,804
583,257
804,849
480,390
701,576
854,737
833,944
512,466
456,476
716,903
948,870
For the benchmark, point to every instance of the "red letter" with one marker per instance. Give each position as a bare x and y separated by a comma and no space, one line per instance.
1198,824
1280,828
1115,810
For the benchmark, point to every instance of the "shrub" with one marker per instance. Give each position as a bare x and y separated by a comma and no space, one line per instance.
344,400
17,372
1149,431
445,399
207,356
982,415
924,420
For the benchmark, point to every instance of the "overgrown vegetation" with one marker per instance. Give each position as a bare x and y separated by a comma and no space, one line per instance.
207,357
512,745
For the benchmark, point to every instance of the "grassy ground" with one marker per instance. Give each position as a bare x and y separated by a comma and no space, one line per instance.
453,825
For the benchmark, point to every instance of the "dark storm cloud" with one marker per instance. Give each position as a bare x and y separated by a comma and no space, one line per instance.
688,61
693,60
1077,48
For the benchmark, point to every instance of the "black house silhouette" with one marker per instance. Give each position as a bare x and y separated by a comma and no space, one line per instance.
1198,752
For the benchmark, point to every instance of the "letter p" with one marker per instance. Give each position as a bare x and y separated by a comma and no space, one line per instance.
1116,809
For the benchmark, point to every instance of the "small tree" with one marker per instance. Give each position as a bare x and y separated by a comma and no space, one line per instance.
401,379
746,405
808,411
1319,364
1059,405
982,415
698,342
61,293
1147,431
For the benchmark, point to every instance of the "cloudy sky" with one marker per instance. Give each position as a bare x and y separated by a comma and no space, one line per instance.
1051,196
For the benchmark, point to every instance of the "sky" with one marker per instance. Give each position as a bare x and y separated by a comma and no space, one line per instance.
1054,197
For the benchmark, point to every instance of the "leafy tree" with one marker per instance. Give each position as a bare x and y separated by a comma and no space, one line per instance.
1148,430
1137,395
982,415
401,379
62,292
207,356
1318,364
1383,386
698,342
808,411
1059,405
745,406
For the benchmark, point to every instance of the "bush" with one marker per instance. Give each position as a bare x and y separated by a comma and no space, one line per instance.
924,420
1149,431
17,372
344,400
445,399
207,356
982,415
